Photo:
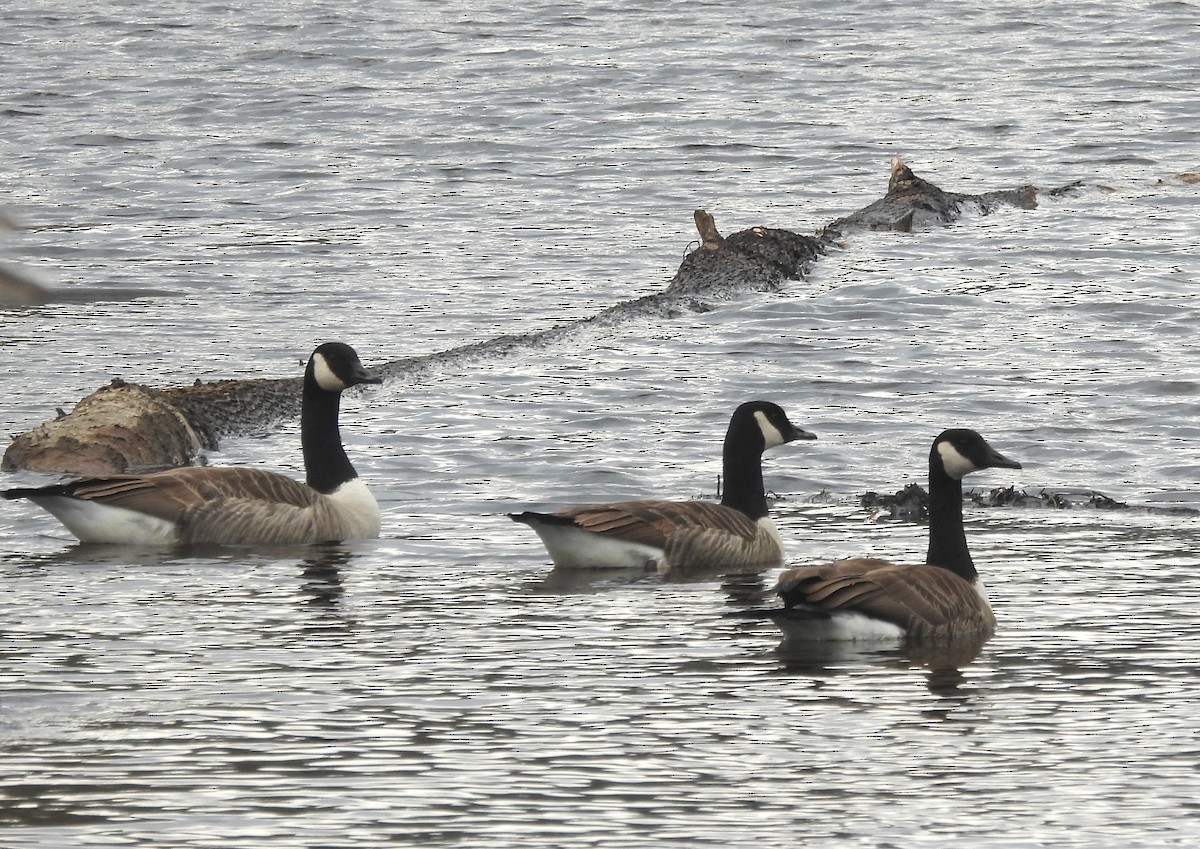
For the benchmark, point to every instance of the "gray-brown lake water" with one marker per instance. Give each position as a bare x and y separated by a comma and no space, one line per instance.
409,177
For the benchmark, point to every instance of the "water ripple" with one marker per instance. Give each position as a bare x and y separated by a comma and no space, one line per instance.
423,181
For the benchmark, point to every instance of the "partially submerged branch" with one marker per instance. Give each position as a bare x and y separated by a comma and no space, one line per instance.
127,426
911,504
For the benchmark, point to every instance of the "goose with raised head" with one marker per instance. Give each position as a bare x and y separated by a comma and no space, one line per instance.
233,505
682,535
867,598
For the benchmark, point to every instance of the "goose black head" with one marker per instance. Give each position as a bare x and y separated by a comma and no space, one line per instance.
769,421
335,366
960,451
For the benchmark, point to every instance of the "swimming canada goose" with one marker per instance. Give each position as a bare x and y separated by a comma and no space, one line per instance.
666,535
867,598
230,504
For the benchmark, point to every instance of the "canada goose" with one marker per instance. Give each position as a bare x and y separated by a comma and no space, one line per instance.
667,535
867,598
235,505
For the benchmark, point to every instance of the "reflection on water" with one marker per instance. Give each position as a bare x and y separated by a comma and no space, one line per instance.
941,664
459,701
558,580
322,578
740,587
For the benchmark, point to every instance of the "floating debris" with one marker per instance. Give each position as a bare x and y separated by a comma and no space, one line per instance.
911,504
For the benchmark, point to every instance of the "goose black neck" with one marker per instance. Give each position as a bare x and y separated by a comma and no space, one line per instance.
743,481
326,465
947,539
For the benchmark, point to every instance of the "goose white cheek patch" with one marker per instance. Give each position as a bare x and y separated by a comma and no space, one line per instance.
771,435
956,465
324,375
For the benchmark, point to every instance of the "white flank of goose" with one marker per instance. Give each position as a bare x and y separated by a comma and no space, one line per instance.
870,599
230,504
681,535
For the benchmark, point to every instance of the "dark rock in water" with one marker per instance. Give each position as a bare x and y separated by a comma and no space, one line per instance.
140,427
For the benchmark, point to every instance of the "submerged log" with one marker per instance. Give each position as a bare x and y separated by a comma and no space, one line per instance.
119,428
127,426
913,203
911,504
760,259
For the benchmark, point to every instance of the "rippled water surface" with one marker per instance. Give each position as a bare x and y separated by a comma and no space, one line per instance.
411,177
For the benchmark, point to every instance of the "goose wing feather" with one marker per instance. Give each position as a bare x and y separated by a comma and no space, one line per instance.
691,534
655,522
926,601
169,494
228,505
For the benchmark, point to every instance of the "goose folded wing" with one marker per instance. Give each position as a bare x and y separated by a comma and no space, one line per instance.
168,495
654,522
923,600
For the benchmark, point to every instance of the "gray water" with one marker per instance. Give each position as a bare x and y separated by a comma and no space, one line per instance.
410,177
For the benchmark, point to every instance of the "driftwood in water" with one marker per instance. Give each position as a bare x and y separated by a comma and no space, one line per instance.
760,259
129,427
126,426
117,428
